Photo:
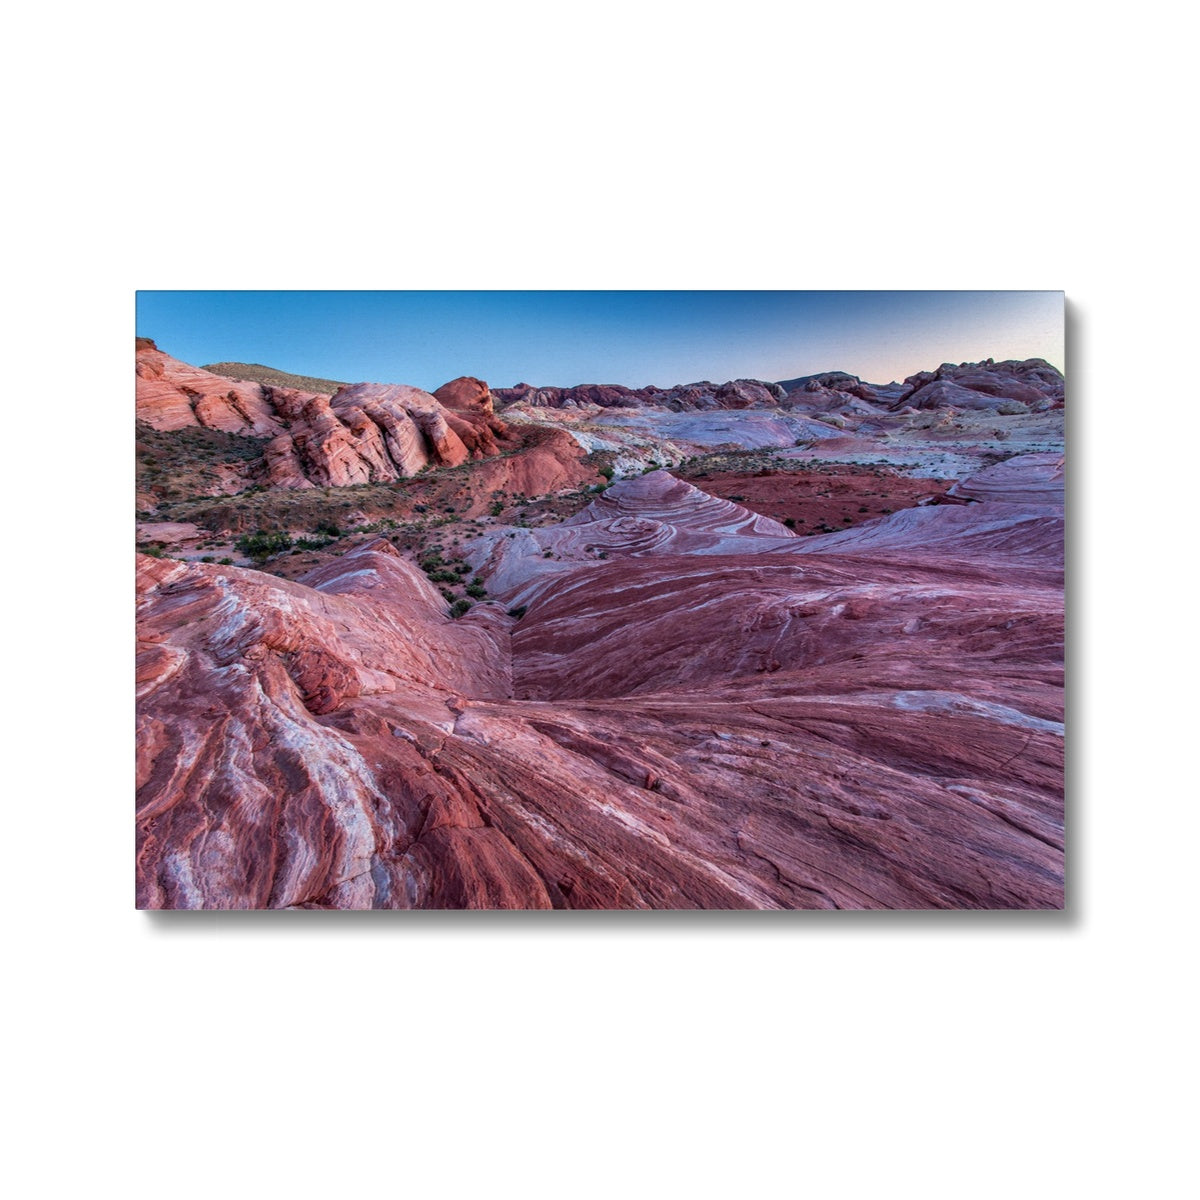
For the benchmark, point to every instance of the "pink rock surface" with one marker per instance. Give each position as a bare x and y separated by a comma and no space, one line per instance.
173,395
1032,382
365,433
718,715
1028,479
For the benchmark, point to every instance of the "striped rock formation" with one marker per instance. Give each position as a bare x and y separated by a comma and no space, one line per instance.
364,433
713,714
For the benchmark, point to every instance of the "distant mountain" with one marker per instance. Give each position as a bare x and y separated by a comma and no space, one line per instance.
683,397
257,373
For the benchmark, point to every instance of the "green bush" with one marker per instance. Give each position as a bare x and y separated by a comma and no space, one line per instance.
260,545
459,607
517,612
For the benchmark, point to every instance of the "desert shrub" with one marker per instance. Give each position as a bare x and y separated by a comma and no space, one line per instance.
517,612
790,522
260,544
226,562
459,607
477,590
607,472
497,508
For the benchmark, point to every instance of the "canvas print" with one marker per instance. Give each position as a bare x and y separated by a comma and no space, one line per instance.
600,600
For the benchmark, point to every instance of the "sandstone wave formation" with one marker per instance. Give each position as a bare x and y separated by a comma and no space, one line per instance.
668,702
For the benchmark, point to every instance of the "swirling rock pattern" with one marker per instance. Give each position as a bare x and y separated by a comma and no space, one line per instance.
715,714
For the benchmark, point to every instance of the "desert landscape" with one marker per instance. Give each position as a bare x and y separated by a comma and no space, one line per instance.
790,644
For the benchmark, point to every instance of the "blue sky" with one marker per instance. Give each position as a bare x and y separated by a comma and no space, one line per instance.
634,338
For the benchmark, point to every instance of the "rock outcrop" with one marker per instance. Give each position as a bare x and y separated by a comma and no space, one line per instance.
694,709
363,433
1032,384
173,395
835,390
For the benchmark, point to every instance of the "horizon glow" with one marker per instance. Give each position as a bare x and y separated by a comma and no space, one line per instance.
634,338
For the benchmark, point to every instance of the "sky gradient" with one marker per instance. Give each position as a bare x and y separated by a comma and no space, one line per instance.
633,338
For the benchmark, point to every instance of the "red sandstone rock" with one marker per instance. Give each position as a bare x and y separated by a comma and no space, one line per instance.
365,433
173,395
716,715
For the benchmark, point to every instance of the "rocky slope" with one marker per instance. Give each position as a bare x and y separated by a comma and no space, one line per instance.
258,373
689,707
364,433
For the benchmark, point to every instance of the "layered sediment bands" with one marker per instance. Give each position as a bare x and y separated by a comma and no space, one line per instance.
654,513
173,395
661,498
795,724
364,433
1026,480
